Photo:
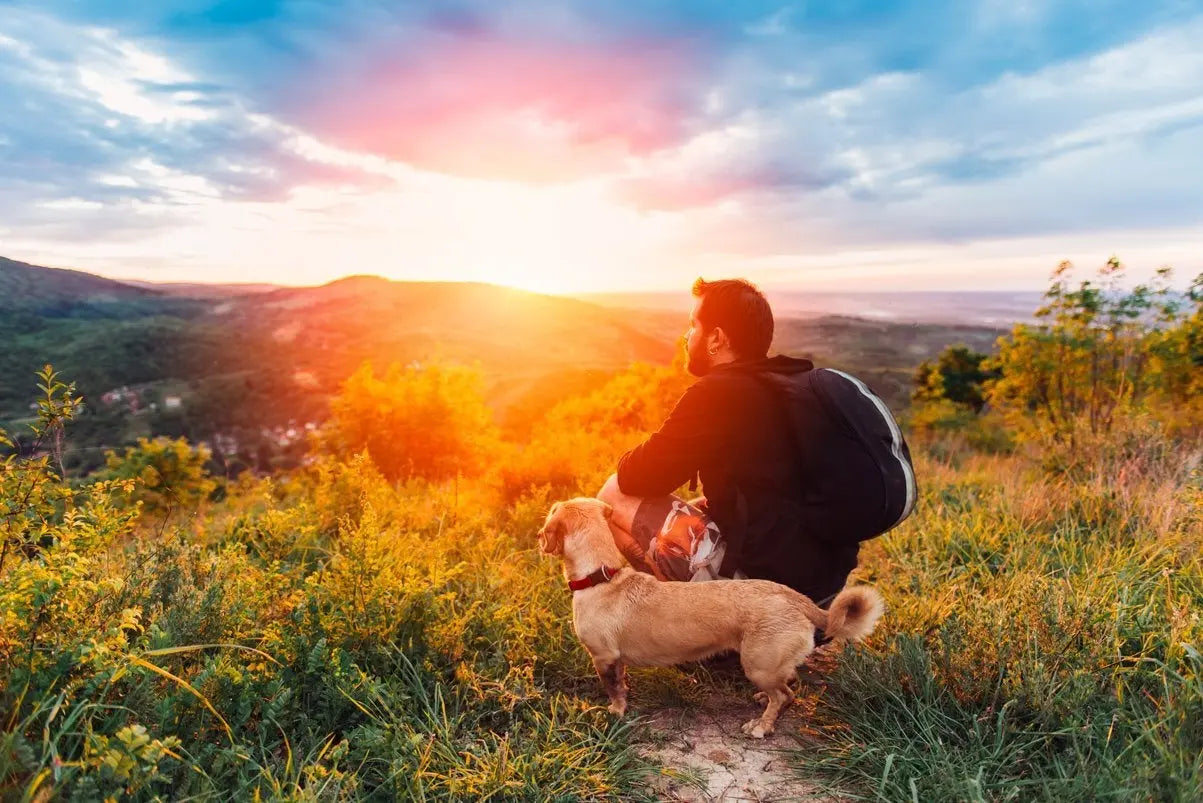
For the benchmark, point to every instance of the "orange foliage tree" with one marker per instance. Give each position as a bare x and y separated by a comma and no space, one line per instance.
579,441
428,421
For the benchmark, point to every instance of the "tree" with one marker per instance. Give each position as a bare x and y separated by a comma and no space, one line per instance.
1086,362
957,375
425,421
32,492
1176,366
168,473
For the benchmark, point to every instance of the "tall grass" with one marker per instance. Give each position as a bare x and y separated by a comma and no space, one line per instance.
330,637
1042,641
335,635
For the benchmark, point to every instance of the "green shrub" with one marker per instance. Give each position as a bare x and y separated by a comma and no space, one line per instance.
1098,356
168,474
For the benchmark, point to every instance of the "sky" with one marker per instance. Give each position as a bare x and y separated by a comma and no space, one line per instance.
581,146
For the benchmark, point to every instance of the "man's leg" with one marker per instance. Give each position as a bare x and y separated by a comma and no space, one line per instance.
624,506
663,535
622,522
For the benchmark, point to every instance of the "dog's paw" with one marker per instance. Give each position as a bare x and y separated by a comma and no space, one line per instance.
756,730
618,708
761,697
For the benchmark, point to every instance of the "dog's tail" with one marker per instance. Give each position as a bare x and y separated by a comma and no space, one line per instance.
854,613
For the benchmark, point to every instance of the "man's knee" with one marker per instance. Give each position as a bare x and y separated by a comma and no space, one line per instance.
623,506
610,493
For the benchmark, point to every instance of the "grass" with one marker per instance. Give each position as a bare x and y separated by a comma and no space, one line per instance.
333,638
1042,643
331,635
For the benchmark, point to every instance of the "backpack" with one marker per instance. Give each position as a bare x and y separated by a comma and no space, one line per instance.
857,480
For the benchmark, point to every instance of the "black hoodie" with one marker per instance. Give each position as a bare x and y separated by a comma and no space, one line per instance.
731,430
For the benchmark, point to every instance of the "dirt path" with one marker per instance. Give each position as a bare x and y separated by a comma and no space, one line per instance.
702,740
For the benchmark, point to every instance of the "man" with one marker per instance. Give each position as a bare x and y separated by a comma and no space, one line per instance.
731,430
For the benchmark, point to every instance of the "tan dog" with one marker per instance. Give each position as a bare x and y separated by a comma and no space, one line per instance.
625,617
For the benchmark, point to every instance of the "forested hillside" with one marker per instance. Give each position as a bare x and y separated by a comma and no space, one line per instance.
251,370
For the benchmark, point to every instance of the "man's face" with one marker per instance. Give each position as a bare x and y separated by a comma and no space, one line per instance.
697,357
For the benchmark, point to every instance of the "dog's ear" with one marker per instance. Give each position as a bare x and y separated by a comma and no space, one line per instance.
551,537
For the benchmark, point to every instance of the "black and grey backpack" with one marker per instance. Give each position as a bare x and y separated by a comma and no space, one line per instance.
857,477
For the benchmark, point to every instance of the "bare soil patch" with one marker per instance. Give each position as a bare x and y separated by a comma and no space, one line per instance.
710,760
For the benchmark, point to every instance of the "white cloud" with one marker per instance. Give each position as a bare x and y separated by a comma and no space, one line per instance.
1107,141
90,105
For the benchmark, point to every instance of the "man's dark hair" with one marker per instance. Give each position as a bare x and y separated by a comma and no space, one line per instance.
741,310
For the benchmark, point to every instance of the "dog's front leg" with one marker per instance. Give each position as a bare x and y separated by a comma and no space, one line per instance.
614,679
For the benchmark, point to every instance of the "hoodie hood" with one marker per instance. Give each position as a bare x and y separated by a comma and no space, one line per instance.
779,364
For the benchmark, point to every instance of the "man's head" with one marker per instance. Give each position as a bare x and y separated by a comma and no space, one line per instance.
731,320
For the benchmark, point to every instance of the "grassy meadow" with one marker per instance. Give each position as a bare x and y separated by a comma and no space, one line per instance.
378,623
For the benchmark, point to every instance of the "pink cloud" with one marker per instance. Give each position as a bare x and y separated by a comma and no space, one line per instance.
498,109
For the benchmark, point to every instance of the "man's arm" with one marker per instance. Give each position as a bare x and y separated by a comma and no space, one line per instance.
674,453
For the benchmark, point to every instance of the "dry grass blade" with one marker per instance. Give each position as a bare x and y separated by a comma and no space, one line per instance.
183,684
199,647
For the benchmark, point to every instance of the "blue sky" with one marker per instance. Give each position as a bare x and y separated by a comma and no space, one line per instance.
573,146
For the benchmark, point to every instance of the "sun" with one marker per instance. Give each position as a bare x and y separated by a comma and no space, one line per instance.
561,239
533,277
544,239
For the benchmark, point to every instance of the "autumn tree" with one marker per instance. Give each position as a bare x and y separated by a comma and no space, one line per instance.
1089,358
427,421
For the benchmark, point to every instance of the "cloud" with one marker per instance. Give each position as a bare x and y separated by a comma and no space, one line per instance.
1086,143
474,105
102,134
731,131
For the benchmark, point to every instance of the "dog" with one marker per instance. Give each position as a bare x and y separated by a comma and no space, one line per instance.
628,618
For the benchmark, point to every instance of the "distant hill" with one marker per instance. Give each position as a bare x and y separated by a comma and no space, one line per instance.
508,331
204,291
882,353
239,365
25,286
238,368
972,308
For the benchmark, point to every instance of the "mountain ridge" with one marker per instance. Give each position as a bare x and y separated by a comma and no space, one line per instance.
26,285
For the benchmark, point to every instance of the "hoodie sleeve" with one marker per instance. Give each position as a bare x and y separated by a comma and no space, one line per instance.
674,453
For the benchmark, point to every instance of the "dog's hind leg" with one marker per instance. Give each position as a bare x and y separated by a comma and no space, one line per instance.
778,696
771,672
613,676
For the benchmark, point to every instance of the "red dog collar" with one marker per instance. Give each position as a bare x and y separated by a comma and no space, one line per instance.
602,575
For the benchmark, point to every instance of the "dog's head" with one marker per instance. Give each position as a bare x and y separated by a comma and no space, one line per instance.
566,518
